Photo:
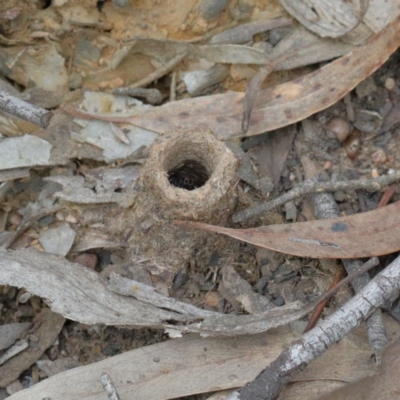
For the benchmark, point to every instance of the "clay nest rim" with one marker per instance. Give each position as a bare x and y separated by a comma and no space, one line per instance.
194,148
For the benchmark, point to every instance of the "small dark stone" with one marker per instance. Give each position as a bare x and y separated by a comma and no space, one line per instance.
212,9
47,220
214,259
111,350
180,279
279,301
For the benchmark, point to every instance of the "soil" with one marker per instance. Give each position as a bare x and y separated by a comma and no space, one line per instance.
279,278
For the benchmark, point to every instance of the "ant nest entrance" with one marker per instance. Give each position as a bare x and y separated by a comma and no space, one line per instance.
188,175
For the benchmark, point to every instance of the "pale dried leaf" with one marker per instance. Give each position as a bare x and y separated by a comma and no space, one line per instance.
344,237
327,18
278,106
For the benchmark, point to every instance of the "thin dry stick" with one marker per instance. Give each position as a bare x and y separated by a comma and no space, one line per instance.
25,110
269,383
387,196
311,186
160,72
251,92
318,310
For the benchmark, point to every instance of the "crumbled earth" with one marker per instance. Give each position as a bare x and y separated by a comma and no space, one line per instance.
342,140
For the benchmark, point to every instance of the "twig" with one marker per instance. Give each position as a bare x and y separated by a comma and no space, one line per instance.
387,196
25,110
312,344
152,96
160,72
251,92
311,186
109,387
318,310
172,89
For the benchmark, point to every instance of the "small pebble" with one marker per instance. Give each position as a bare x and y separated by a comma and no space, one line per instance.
47,220
374,173
390,84
14,218
352,144
71,219
279,301
39,247
60,216
379,156
211,299
87,260
339,127
328,165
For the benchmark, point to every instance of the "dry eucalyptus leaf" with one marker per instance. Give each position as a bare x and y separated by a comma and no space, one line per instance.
274,107
327,18
384,385
373,233
307,48
160,373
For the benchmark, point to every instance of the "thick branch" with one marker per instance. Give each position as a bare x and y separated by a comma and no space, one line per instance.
25,110
312,344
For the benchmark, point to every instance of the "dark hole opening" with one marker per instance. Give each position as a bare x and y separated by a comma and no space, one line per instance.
188,175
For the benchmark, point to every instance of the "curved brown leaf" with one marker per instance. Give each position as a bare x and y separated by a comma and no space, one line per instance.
373,233
281,105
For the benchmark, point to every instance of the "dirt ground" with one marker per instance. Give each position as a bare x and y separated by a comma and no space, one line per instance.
66,48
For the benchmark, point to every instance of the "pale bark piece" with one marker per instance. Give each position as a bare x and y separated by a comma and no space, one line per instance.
51,368
15,349
49,326
234,285
76,292
12,174
107,186
148,294
325,17
373,233
42,66
81,294
278,106
24,151
380,13
191,365
232,54
9,333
